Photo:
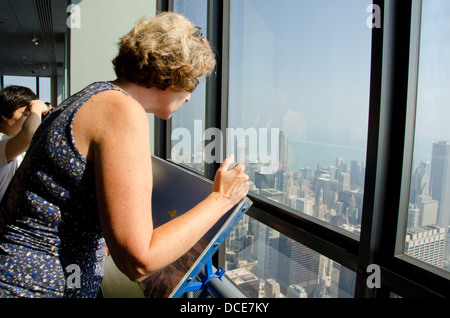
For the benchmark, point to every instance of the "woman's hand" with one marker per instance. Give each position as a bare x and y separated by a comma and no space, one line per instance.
231,185
20,142
38,107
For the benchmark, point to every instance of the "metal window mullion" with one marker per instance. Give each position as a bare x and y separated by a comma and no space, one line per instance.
323,238
38,87
410,125
224,107
386,140
367,219
162,128
225,69
164,5
406,275
213,105
215,108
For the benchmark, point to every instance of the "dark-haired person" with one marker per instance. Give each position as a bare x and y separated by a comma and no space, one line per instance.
20,115
88,174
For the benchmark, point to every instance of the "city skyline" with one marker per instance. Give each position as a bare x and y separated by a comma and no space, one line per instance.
262,262
265,263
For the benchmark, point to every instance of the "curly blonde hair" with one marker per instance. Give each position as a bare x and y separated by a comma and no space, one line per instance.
165,51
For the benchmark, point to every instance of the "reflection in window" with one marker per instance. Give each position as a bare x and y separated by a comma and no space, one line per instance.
191,117
264,263
300,70
427,236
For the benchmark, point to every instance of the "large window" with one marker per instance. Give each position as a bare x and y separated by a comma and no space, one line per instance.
299,80
45,89
190,119
344,138
26,81
427,236
41,86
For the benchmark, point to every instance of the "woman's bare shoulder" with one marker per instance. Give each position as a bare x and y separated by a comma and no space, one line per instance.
114,108
116,99
109,116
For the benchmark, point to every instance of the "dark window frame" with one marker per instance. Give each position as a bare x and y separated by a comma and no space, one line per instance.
388,152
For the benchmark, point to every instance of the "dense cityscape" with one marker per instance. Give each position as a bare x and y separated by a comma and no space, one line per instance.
266,263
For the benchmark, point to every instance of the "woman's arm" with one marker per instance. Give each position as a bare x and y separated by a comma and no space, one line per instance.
18,144
173,239
118,143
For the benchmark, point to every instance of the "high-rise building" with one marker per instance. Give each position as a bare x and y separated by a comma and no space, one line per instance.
320,209
297,264
246,280
420,181
267,250
354,174
446,264
344,181
272,289
428,209
283,152
440,180
426,243
282,179
330,190
305,205
347,281
413,216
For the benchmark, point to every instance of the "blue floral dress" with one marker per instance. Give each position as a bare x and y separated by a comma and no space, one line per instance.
51,244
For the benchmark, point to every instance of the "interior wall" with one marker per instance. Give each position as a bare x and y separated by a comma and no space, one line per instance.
97,26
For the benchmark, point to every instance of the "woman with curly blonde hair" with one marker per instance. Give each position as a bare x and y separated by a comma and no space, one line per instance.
147,56
87,176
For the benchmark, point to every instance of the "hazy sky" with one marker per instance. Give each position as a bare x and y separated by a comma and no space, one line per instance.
303,66
433,105
30,82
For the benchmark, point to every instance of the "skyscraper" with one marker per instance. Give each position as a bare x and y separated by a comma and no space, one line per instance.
420,181
283,151
283,163
428,209
426,243
297,264
440,180
267,250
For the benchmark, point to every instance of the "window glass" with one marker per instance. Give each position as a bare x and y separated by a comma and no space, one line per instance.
264,263
427,235
26,81
298,103
189,121
45,89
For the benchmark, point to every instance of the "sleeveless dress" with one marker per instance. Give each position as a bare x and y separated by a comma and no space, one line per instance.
51,244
